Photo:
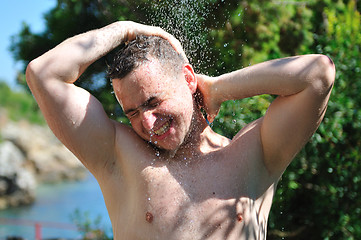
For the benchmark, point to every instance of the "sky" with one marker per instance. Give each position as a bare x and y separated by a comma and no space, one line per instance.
12,15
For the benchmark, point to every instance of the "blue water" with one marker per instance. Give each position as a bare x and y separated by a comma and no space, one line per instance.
56,203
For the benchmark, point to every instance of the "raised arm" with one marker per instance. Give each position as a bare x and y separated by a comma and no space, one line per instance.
303,85
75,116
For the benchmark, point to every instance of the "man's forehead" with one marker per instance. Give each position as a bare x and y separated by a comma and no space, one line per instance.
135,105
150,75
150,79
134,92
153,69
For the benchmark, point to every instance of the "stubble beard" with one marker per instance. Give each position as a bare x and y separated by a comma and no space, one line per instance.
187,140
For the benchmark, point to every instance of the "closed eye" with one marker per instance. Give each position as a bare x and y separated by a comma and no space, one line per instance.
154,104
132,114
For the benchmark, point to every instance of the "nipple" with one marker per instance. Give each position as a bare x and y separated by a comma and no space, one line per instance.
239,217
149,217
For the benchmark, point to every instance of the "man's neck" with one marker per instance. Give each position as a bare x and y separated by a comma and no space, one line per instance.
196,142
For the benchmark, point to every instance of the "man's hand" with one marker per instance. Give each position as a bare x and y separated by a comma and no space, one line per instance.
207,96
136,29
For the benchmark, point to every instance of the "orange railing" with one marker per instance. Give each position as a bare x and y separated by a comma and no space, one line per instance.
38,225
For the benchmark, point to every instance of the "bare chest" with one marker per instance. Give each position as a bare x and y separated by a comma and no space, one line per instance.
198,203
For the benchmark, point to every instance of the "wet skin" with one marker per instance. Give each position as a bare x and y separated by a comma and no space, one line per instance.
171,176
195,187
159,105
198,197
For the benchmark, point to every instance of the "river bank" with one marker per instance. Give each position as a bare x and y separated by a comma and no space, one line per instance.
31,155
55,204
42,184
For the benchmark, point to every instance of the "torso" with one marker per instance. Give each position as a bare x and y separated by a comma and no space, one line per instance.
224,194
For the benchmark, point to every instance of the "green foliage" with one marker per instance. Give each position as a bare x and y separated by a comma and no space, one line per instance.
256,31
236,114
317,195
91,229
19,105
319,191
67,19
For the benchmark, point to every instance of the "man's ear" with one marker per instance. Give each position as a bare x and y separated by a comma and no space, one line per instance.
190,77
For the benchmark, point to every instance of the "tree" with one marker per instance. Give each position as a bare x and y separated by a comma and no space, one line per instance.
65,20
319,191
317,196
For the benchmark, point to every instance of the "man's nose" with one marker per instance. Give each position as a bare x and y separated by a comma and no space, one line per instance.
148,120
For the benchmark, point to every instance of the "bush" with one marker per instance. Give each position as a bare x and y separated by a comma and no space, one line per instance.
19,105
318,193
91,229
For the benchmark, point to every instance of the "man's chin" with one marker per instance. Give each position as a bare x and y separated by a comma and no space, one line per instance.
168,150
158,146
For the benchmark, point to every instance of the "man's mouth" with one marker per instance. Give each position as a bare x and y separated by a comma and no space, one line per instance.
163,129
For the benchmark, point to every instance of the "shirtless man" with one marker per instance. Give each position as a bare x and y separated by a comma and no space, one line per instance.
170,176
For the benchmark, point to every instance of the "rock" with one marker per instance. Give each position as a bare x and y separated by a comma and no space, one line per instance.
17,184
49,158
31,155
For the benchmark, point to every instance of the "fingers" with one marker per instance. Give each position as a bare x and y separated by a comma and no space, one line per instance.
211,115
210,118
199,98
205,96
141,29
172,40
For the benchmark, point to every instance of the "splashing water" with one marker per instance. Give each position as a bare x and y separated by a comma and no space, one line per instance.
185,20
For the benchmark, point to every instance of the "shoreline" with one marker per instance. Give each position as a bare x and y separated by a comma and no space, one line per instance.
30,155
56,203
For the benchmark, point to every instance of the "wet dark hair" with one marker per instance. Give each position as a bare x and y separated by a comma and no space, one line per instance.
140,50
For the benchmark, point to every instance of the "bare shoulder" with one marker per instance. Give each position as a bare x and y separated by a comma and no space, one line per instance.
126,143
125,136
129,145
250,132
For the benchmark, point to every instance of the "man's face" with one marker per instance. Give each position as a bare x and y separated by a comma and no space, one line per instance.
158,103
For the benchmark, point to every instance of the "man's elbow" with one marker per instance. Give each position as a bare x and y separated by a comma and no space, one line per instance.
30,73
35,73
326,73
